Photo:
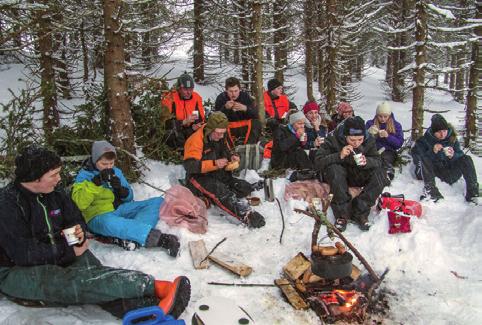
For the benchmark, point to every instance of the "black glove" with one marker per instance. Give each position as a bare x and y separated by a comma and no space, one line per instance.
97,180
115,182
107,174
121,193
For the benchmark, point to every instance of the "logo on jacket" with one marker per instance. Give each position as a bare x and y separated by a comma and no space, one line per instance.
54,213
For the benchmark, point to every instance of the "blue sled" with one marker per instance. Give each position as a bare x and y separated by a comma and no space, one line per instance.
155,314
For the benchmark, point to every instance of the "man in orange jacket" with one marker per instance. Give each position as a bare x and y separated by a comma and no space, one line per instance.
187,111
276,104
207,160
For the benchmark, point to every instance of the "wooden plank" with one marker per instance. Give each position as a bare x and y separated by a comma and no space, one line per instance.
231,264
291,294
296,266
198,253
355,272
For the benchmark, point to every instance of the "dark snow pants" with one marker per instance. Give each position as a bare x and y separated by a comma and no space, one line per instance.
86,281
222,189
340,178
463,167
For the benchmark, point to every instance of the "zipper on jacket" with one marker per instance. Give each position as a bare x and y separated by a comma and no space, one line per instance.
51,236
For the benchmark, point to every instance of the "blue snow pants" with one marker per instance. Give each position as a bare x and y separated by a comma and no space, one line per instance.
131,220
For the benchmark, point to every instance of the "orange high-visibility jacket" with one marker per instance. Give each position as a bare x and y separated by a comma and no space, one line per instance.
182,108
281,104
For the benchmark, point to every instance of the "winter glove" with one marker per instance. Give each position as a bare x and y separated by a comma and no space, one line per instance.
115,182
107,174
97,180
122,192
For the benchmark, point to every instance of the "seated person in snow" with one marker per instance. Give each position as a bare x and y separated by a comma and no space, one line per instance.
206,157
186,108
335,160
244,125
438,153
343,111
288,143
38,267
276,105
316,128
105,199
389,135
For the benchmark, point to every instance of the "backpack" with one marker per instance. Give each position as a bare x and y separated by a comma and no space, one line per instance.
251,156
399,211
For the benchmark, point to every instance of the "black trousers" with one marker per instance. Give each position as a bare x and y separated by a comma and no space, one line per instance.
463,167
388,158
223,190
340,178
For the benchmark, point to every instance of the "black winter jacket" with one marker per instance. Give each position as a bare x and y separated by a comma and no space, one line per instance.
285,143
31,225
329,152
243,98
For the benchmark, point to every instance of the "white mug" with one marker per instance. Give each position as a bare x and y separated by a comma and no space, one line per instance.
358,158
70,236
196,114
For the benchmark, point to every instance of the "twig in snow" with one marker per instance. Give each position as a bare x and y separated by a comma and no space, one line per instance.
212,250
242,284
282,220
459,276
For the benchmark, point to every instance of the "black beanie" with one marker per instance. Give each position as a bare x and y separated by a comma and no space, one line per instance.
354,126
33,162
185,80
273,84
438,123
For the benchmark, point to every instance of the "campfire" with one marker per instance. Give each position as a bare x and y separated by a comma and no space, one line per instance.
328,282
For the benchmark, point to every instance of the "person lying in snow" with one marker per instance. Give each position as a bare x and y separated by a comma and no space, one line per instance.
389,135
438,153
106,200
39,268
288,143
349,157
206,158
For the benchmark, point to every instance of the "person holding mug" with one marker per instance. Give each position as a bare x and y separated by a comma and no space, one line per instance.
389,136
349,157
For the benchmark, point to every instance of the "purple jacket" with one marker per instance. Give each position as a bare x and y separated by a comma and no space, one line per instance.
394,141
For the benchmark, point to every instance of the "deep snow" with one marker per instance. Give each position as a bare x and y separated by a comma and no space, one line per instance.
445,239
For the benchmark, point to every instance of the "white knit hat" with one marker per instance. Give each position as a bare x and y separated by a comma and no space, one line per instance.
384,108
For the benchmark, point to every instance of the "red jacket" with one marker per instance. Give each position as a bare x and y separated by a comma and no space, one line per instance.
281,104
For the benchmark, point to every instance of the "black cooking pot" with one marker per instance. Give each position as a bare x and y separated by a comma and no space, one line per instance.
332,267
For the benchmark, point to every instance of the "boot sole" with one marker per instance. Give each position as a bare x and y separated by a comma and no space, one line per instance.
181,298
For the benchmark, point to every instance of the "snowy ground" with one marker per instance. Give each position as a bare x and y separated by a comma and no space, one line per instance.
445,239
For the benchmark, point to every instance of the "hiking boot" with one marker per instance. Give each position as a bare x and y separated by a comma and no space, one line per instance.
128,245
254,220
340,224
431,192
174,296
171,243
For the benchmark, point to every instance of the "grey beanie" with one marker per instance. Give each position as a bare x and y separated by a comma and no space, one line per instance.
99,148
297,117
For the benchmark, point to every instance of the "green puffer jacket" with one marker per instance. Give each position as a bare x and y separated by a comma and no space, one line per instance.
93,200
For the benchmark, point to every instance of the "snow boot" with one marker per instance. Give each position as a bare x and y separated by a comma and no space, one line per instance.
254,220
171,243
432,193
174,296
158,239
362,222
128,245
340,224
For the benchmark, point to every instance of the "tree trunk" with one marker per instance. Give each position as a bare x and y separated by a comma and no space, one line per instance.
474,87
419,71
460,76
244,23
61,63
309,61
321,16
330,73
48,89
389,67
115,79
258,62
198,46
453,65
279,39
85,53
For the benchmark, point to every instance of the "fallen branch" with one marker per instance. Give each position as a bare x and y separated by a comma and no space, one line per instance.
459,276
282,220
212,250
242,284
374,276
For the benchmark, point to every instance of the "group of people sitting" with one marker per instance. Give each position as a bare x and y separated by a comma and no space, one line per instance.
38,266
